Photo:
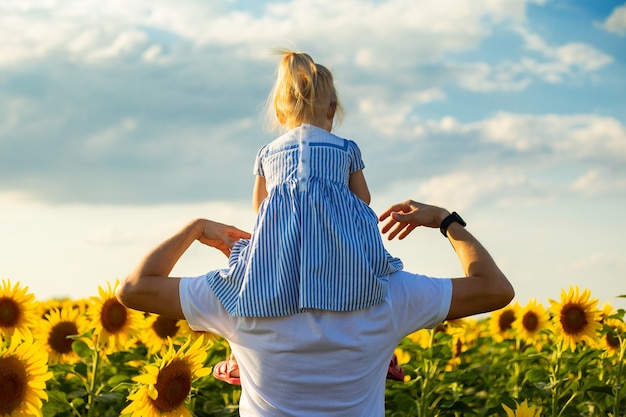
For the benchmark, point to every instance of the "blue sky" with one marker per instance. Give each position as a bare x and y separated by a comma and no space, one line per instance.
121,121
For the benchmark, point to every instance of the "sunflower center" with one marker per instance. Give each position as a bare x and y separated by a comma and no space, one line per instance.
573,319
506,320
530,321
9,312
113,316
58,338
165,326
612,340
13,384
173,385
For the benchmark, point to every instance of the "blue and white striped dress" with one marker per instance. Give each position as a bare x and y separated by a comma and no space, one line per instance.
315,244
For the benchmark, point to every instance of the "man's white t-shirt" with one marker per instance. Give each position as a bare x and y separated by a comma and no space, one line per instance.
319,363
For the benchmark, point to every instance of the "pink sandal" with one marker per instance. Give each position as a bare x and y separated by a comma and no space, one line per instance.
224,370
395,371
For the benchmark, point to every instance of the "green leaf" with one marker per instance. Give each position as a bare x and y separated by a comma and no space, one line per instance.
81,348
109,397
118,379
605,389
77,402
536,375
460,406
81,369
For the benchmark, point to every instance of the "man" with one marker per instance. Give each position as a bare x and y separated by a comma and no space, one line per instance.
321,363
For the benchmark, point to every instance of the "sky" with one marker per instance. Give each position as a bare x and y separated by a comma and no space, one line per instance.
122,121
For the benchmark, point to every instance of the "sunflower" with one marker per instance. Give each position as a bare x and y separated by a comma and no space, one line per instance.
421,338
18,310
614,337
114,325
463,337
57,327
23,376
187,331
501,322
531,320
576,317
523,410
606,311
402,355
159,329
165,387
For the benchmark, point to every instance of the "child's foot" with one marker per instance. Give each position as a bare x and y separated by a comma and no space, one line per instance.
227,371
395,371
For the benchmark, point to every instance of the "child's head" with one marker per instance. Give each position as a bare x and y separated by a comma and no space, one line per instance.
304,92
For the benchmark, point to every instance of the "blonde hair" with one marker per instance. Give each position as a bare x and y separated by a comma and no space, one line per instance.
303,91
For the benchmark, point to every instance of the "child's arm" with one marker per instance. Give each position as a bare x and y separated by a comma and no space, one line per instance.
259,193
358,186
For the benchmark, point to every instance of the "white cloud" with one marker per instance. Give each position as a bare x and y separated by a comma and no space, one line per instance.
510,159
616,21
153,54
559,62
598,182
393,57
109,138
581,136
554,64
582,56
126,43
466,189
483,77
402,29
387,113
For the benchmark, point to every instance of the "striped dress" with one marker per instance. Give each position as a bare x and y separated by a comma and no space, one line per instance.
315,244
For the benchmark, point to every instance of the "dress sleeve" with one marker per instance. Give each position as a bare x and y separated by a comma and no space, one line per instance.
356,161
258,166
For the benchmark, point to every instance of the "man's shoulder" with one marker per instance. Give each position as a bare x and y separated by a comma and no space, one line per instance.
418,301
407,287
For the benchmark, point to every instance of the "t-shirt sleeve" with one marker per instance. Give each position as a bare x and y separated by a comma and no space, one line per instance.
419,302
202,309
258,166
356,161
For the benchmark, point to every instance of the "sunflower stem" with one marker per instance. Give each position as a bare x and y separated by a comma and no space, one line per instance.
92,383
427,371
617,387
554,377
567,403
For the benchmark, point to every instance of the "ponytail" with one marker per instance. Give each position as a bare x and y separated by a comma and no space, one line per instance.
302,92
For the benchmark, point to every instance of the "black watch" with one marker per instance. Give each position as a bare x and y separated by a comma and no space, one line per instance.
451,218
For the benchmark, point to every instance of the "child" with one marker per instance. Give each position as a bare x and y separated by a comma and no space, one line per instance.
316,242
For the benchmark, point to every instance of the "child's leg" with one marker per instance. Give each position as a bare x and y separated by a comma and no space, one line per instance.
227,371
395,371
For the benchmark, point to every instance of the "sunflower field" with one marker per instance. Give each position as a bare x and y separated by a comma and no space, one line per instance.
95,357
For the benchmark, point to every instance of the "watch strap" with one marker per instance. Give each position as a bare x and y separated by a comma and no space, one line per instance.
451,218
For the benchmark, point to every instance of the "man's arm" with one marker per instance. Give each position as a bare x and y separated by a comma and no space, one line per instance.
149,287
484,287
